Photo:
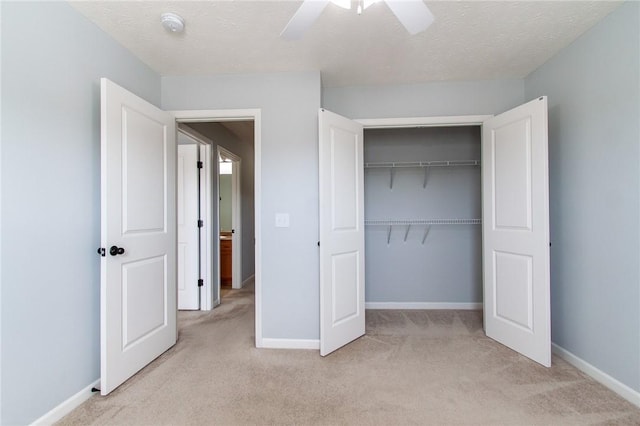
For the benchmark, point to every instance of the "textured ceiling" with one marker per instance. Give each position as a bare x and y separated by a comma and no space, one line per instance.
469,40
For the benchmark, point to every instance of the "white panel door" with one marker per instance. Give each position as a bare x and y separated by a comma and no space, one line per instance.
138,234
341,231
515,203
188,231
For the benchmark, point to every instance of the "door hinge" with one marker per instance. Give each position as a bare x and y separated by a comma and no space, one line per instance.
102,251
200,282
199,164
200,223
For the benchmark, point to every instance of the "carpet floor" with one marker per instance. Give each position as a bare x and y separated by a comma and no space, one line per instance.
412,367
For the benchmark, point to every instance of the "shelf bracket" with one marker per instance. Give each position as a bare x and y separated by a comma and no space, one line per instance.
406,233
426,232
391,173
388,234
426,173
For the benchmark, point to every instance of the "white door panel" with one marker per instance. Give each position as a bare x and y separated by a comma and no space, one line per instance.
341,171
512,166
143,172
344,273
514,286
188,231
143,298
516,230
138,284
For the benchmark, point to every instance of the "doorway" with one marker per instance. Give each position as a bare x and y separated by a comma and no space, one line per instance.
514,153
229,206
138,171
211,124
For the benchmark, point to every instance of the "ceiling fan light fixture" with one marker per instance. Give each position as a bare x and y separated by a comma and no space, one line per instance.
172,22
367,3
345,4
414,15
364,4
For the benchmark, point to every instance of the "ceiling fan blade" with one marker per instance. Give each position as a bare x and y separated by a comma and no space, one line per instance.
303,18
413,14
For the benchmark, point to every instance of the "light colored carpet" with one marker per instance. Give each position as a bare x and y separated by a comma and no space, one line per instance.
412,367
224,291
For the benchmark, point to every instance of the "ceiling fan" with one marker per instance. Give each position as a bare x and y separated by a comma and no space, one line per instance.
413,14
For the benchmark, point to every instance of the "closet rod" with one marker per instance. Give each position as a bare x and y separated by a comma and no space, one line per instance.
409,164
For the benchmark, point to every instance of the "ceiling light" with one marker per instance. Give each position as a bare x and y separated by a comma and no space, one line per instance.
172,22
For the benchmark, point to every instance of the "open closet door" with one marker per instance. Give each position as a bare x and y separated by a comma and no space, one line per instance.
515,194
138,234
341,231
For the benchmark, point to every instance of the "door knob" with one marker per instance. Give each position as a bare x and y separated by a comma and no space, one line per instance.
115,250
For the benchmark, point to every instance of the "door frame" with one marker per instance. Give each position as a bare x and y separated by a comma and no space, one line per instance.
199,116
206,237
443,121
388,123
236,217
413,122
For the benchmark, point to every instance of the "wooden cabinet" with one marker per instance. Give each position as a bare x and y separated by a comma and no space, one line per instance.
225,259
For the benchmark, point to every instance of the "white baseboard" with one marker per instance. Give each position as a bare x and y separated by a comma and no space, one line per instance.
291,343
600,376
242,284
67,406
422,305
248,279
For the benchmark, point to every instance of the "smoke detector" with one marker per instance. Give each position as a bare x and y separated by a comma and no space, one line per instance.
172,22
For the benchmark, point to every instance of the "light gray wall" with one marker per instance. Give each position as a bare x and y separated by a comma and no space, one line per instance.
594,169
245,150
447,267
289,103
185,140
52,59
225,203
424,100
289,165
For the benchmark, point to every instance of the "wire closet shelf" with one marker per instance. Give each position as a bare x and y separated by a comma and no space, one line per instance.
427,223
418,164
426,165
392,222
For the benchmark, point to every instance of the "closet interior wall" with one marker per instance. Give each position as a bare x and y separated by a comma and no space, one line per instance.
446,265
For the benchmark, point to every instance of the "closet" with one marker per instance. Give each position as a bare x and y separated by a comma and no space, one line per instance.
422,207
427,183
